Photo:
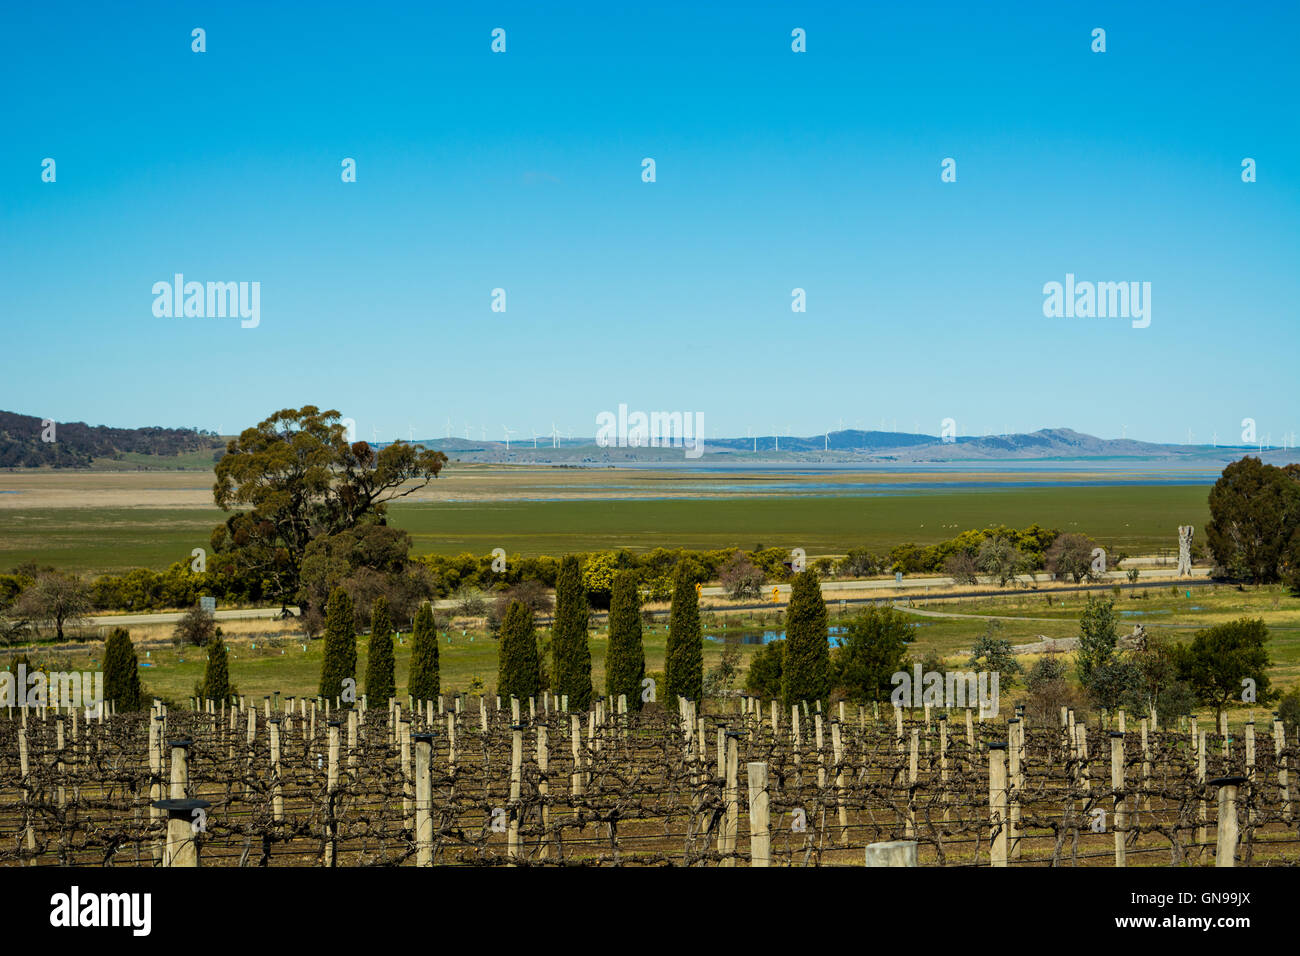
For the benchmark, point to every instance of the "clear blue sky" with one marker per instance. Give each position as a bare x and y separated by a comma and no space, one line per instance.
775,170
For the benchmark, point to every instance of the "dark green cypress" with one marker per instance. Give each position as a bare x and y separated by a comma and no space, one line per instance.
625,658
381,682
121,671
518,671
684,659
570,651
806,673
340,660
424,680
216,676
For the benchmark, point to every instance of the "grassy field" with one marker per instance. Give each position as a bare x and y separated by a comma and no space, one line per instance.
103,530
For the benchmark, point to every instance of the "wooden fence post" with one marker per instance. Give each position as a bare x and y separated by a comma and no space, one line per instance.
1117,785
998,803
1225,851
760,836
424,799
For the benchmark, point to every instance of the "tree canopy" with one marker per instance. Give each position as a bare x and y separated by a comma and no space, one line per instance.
294,478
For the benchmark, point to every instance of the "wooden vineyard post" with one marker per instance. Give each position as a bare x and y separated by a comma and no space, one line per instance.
760,836
516,778
408,791
29,833
913,759
575,739
277,796
943,765
998,803
837,747
1225,850
1279,744
543,783
332,795
183,830
424,799
1015,750
1202,833
1117,785
731,799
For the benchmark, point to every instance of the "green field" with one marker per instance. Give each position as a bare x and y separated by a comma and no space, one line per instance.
1133,519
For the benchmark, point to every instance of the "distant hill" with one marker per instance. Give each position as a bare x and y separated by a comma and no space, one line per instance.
852,445
78,445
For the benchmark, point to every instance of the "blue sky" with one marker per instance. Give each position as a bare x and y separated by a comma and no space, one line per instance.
775,170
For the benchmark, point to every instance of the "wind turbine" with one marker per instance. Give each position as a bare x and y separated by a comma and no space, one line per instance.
1215,439
828,442
448,427
509,431
482,433
410,432
534,431
1124,432
749,429
467,431
555,436
776,437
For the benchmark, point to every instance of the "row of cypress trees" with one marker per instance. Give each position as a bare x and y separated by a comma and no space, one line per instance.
805,672
340,662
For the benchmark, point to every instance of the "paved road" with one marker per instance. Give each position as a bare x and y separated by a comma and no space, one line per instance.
910,587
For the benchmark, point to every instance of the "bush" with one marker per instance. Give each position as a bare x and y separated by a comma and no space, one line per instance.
196,628
872,648
765,667
961,568
741,579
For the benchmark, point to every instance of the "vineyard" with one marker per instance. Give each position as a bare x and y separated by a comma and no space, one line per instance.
526,784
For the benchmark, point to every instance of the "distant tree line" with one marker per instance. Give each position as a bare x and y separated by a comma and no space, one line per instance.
23,442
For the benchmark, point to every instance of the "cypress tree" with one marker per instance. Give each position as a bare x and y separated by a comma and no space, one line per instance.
216,676
121,671
569,648
340,645
684,659
625,659
381,682
518,672
423,682
806,671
